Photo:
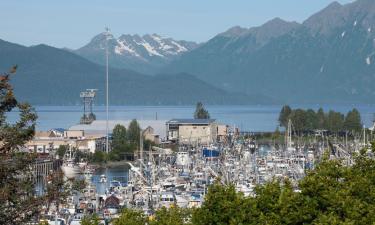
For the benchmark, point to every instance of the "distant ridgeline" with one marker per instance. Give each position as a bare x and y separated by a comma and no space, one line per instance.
310,120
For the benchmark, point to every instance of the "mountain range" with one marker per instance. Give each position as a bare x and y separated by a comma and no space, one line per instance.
51,76
145,54
328,58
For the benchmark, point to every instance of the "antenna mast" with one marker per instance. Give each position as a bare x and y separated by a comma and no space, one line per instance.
107,89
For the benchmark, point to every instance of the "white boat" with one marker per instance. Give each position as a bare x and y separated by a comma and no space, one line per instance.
103,179
69,167
167,199
183,159
76,220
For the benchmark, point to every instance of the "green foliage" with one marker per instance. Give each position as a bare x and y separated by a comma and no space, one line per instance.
221,206
90,220
309,120
124,143
335,121
61,151
17,202
99,157
171,216
284,115
134,132
118,137
78,185
299,119
353,121
201,112
131,217
321,120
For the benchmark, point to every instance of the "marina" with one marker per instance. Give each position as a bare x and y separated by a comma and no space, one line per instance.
161,177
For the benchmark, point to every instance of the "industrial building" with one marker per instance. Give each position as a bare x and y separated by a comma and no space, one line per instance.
153,130
193,131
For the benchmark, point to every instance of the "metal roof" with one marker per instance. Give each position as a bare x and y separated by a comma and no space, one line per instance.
191,121
99,126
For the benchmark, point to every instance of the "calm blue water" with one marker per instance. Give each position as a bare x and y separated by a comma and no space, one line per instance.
249,118
119,173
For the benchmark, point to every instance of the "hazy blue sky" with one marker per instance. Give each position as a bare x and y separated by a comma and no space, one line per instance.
72,23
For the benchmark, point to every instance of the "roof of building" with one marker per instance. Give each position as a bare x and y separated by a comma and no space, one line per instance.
61,130
191,121
99,126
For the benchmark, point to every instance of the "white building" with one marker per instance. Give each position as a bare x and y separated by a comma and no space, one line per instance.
154,130
192,131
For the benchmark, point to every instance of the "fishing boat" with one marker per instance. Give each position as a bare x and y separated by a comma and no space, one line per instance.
103,179
69,167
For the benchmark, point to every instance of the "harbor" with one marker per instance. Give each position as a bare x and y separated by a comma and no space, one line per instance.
181,175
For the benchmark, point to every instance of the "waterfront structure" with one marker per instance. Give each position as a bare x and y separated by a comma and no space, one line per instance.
192,131
153,130
46,142
88,99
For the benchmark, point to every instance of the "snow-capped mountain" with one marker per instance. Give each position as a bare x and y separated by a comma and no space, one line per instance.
144,54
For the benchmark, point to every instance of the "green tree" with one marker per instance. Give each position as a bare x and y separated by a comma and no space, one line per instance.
311,120
99,157
335,121
171,216
61,151
222,205
118,137
201,112
18,204
284,115
131,217
321,119
134,132
299,120
353,121
90,220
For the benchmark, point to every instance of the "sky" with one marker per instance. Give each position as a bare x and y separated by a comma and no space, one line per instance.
72,23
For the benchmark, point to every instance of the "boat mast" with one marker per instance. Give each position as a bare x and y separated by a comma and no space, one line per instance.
107,101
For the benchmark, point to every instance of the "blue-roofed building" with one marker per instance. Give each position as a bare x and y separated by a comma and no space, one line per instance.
192,131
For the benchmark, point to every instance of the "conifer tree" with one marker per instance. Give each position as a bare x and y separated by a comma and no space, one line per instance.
201,112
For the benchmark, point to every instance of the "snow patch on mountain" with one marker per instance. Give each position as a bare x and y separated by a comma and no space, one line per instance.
122,47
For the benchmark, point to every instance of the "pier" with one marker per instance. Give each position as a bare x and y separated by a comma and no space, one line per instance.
44,167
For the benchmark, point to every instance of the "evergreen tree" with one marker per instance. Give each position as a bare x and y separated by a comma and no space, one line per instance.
118,137
133,134
201,112
311,120
321,120
353,121
17,201
335,121
299,120
284,115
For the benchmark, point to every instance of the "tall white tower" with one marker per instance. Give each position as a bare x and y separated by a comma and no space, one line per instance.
107,34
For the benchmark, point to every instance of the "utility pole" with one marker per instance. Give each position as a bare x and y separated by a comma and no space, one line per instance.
141,151
107,91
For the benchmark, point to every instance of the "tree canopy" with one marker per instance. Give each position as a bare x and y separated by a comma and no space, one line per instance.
17,201
134,132
309,120
201,112
118,136
284,115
